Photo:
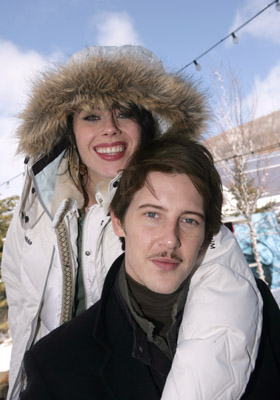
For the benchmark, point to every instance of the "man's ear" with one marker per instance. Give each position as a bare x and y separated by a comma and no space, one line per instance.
117,226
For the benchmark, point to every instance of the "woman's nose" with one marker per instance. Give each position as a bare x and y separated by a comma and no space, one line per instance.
110,126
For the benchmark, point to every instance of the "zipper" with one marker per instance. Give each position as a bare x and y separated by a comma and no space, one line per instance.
64,249
82,255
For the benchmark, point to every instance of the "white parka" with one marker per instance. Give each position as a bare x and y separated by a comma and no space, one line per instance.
40,259
219,336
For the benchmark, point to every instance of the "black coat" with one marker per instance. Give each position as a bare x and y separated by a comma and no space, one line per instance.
90,357
264,382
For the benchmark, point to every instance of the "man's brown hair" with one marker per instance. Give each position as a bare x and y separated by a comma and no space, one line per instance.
173,153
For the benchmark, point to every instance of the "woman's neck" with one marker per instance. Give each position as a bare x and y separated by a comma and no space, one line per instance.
92,188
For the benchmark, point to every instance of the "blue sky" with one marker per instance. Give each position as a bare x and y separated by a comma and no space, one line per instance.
34,33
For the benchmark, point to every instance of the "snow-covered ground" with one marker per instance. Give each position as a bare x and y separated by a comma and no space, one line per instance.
5,354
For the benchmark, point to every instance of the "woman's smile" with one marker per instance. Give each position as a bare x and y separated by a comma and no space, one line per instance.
111,151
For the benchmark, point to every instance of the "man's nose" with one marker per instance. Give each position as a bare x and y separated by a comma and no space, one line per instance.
170,236
110,126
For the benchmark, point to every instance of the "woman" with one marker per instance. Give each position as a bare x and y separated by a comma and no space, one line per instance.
81,125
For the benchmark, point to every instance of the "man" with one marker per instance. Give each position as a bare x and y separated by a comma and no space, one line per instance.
166,209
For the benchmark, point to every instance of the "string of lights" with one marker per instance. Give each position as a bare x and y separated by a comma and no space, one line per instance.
10,180
195,62
249,153
232,35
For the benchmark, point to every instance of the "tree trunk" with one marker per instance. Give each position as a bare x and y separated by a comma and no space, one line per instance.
255,250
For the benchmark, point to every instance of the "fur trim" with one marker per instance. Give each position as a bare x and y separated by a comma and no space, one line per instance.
100,80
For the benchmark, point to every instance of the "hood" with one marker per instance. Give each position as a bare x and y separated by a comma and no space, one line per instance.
102,77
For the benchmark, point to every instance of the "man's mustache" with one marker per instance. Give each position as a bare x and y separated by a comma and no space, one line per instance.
163,254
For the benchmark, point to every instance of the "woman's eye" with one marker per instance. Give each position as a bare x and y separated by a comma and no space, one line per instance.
123,114
151,214
92,117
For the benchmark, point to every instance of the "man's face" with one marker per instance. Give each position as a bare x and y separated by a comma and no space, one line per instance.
164,231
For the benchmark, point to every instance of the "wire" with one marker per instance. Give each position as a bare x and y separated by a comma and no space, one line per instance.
10,180
232,34
249,153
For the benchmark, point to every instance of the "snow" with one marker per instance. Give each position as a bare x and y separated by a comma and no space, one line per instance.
5,355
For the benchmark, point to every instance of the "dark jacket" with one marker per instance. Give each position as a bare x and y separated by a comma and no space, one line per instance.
95,356
264,382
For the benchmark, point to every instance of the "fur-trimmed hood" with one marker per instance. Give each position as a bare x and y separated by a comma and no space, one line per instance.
102,77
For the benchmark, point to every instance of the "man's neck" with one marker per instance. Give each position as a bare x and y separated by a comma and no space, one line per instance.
156,307
161,329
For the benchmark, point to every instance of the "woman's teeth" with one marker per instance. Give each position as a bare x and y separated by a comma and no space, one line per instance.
110,150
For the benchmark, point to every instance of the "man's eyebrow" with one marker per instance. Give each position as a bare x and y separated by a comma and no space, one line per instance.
151,205
147,205
193,212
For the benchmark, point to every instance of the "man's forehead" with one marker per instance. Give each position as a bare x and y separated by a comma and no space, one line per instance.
156,181
160,185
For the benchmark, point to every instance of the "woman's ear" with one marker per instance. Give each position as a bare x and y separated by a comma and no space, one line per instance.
117,226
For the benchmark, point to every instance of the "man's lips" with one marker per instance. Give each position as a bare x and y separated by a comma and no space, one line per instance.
111,151
166,263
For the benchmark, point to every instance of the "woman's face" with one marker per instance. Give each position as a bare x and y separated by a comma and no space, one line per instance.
105,141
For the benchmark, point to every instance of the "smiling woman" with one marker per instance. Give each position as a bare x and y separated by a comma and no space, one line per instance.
105,140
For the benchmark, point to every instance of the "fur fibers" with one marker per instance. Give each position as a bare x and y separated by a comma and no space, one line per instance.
99,81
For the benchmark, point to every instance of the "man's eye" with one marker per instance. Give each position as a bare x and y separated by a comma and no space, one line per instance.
152,214
190,221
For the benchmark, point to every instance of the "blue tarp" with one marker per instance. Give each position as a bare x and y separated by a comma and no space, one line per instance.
268,238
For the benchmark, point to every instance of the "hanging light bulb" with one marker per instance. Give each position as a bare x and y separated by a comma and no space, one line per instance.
277,5
234,38
197,66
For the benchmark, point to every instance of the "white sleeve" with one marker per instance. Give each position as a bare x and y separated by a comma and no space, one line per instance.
219,336
11,267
